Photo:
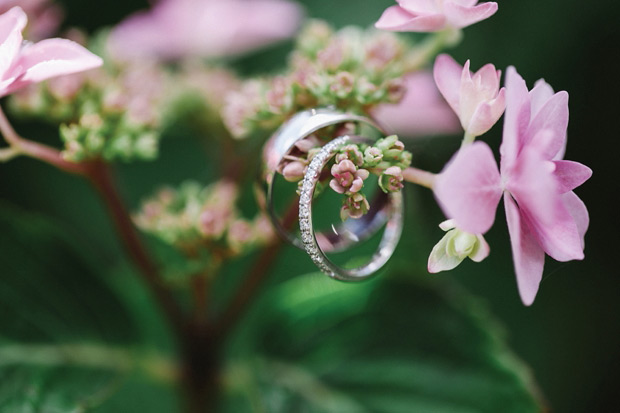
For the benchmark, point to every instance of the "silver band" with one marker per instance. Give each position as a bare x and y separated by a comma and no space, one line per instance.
391,235
280,145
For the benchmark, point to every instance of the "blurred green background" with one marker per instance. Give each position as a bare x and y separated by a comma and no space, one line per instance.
571,335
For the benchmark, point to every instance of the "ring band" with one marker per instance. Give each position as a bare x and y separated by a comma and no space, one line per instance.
300,126
391,235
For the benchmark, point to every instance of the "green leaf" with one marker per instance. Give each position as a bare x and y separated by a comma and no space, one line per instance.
65,337
389,345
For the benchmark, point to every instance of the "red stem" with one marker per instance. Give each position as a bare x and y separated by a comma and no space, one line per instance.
99,175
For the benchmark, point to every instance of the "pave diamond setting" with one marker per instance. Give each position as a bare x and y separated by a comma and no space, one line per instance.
305,205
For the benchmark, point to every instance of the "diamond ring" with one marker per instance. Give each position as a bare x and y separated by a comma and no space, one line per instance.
393,216
280,146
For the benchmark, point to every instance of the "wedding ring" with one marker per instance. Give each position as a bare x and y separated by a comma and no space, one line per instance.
393,216
280,145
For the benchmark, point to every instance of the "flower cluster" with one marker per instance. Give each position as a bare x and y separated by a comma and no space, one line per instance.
543,213
350,69
352,165
194,218
113,113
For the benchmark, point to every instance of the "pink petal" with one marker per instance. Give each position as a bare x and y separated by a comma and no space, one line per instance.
462,16
533,185
528,257
535,188
396,18
419,6
421,112
468,189
577,209
489,77
571,174
486,115
52,57
539,95
516,118
561,239
448,73
11,25
552,116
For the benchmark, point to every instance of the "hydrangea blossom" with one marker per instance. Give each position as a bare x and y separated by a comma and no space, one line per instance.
544,215
434,15
24,64
475,97
182,28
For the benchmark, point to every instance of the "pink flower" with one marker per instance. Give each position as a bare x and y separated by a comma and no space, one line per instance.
180,28
347,178
421,112
22,65
475,97
434,15
544,215
44,16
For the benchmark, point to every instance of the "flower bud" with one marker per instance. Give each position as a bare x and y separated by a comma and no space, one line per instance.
355,206
352,153
391,180
372,156
454,247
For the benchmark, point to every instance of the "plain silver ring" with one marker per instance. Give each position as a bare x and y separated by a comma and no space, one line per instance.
391,234
300,126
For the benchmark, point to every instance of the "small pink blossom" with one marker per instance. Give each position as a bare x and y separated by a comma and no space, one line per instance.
391,180
544,215
22,65
421,112
175,29
355,206
475,97
434,15
347,178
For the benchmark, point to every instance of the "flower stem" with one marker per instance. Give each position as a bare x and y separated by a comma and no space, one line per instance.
21,146
101,178
468,139
433,44
420,177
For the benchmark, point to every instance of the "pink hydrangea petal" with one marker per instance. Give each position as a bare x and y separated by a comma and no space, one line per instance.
439,260
421,112
571,174
396,18
527,255
533,185
448,74
52,57
516,118
468,189
11,25
419,6
577,209
560,239
462,16
552,116
465,3
539,95
489,76
486,115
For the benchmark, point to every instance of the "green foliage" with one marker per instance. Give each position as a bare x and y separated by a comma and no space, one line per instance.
67,341
389,345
